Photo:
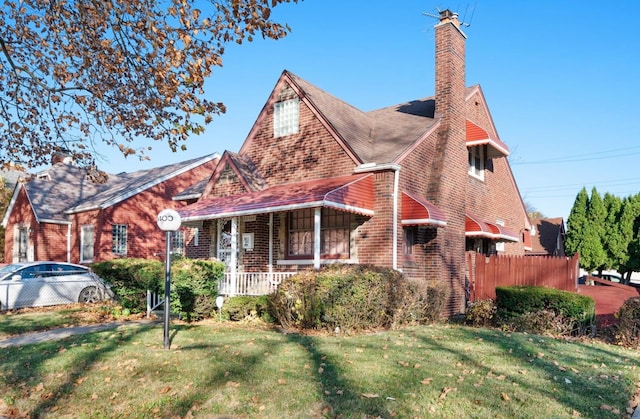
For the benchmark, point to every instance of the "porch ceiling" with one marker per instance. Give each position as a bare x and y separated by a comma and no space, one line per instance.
346,193
418,211
477,227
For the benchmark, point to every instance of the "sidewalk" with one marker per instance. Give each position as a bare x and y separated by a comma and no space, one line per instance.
65,332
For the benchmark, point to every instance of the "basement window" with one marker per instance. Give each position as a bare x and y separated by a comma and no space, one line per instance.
286,117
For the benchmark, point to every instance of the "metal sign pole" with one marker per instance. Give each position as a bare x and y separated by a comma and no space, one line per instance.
167,292
168,220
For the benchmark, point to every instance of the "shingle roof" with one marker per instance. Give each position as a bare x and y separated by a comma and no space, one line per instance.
124,185
378,136
57,188
64,189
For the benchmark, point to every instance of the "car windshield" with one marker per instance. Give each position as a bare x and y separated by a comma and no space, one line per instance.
10,268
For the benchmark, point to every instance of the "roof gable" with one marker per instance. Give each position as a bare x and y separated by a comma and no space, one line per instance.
125,185
233,167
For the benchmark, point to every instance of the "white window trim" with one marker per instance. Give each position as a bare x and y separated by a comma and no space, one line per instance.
82,243
477,170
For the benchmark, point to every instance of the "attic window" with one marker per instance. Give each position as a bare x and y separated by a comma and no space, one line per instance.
476,161
44,176
285,118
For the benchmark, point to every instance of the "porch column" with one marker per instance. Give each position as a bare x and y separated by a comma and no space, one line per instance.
270,242
316,238
233,259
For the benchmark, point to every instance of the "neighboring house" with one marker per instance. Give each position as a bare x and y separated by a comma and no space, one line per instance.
547,237
61,215
410,187
9,177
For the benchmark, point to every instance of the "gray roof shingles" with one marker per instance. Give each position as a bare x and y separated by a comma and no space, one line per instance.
67,189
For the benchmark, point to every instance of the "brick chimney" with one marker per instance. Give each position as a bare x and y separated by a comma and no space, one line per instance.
450,67
448,186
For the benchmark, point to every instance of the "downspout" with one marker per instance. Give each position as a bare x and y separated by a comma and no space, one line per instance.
373,167
270,242
396,185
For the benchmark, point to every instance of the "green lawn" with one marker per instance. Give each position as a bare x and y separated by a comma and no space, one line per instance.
232,370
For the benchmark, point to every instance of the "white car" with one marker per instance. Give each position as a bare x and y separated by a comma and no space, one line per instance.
37,284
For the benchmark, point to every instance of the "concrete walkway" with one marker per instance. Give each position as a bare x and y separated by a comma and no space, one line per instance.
65,332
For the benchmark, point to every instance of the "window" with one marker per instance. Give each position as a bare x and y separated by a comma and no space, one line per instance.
119,239
301,233
334,233
476,162
285,117
408,242
177,242
86,243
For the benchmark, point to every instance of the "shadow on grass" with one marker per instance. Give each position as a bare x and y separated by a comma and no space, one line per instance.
24,363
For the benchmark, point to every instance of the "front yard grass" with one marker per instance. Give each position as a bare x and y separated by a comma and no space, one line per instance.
232,370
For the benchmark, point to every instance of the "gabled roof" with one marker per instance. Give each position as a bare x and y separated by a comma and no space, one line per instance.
64,189
125,185
378,136
53,190
243,168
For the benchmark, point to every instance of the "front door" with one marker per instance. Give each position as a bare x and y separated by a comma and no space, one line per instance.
224,243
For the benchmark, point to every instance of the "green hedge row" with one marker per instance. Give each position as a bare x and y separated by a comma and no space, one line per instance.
516,301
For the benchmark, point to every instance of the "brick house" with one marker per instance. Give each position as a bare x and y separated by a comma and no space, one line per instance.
547,237
62,215
410,187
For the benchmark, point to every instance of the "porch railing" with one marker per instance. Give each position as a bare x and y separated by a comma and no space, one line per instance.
251,283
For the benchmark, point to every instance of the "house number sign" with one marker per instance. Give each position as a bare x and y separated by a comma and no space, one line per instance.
169,220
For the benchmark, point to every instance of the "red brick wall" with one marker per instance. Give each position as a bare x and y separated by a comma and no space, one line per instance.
374,236
312,153
145,239
495,197
22,215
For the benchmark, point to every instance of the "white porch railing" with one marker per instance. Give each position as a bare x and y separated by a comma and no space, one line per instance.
251,283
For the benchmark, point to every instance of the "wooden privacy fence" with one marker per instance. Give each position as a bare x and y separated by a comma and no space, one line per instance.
487,273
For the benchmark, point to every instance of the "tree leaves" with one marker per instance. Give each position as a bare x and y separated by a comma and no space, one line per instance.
76,73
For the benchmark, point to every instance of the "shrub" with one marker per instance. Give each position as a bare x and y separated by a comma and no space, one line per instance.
356,297
543,321
418,301
194,283
628,332
195,287
515,301
481,313
247,307
130,279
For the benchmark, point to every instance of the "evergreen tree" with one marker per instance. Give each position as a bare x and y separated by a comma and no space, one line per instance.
593,255
576,223
633,250
614,241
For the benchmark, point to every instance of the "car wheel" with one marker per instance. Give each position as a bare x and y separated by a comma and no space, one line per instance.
89,295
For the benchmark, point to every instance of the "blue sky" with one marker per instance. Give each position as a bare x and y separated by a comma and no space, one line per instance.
560,79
